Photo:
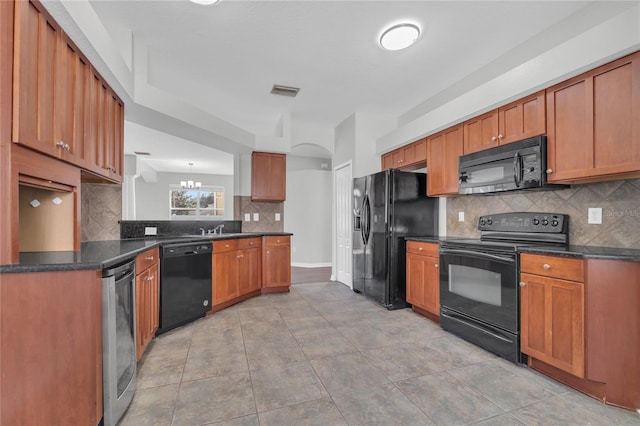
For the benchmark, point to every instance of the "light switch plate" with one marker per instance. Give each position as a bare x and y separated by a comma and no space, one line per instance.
247,217
595,215
150,230
256,217
277,217
460,216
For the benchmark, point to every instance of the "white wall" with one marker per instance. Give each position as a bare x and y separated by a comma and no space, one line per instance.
152,199
308,211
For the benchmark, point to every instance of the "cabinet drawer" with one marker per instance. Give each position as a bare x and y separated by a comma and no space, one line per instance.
146,259
423,249
248,243
277,241
553,266
225,245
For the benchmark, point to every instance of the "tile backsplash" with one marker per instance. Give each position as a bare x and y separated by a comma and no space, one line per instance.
619,200
266,214
101,209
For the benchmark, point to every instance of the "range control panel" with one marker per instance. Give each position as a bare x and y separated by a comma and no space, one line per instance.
524,222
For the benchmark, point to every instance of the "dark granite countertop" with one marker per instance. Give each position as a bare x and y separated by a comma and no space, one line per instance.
587,252
104,254
427,239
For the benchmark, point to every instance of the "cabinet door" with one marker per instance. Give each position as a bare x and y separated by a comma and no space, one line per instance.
249,274
443,150
154,300
592,123
141,314
268,176
72,129
420,151
423,283
114,124
37,45
415,278
387,161
552,322
397,158
481,132
225,276
277,262
522,119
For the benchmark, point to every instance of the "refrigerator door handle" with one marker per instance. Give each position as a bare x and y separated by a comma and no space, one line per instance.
366,226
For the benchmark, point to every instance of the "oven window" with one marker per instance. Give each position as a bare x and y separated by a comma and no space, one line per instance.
476,284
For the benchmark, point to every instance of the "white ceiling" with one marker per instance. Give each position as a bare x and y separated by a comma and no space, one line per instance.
223,59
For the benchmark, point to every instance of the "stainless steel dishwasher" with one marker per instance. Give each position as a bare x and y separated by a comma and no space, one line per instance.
185,283
118,340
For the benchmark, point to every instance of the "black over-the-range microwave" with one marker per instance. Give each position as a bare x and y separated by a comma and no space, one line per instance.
513,166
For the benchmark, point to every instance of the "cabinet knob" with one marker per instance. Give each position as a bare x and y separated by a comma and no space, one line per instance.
435,265
420,248
522,284
226,245
277,241
549,171
149,258
546,266
500,136
251,243
493,138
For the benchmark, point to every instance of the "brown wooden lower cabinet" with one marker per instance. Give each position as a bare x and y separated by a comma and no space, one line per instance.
276,264
147,299
51,348
237,271
423,278
584,334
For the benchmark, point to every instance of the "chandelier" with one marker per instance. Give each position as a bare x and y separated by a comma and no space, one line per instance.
190,184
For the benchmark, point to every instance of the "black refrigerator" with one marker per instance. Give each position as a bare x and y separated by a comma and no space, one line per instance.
387,207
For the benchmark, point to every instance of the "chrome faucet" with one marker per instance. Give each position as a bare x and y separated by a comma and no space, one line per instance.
218,229
201,231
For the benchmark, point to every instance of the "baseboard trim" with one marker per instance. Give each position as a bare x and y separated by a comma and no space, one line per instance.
310,265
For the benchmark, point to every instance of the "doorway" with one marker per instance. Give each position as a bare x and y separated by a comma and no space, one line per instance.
343,183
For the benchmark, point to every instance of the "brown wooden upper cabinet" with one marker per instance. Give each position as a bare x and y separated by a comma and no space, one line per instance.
56,108
518,120
268,176
443,150
593,125
413,155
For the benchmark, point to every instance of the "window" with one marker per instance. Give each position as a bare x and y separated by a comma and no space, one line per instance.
207,201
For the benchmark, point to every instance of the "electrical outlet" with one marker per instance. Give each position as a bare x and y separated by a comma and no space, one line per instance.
595,215
150,230
460,216
277,217
247,217
256,217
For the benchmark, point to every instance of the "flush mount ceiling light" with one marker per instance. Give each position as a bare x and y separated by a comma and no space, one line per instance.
205,2
399,36
190,184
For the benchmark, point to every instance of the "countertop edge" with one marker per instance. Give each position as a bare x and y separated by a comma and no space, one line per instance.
149,243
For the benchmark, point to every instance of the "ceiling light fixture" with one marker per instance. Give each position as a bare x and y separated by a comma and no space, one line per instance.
205,2
190,184
399,36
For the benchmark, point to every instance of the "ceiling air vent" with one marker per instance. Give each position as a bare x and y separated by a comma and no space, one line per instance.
285,90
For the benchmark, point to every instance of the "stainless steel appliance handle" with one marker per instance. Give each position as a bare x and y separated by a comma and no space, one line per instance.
366,228
478,254
457,318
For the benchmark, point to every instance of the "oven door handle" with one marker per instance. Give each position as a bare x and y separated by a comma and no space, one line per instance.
478,254
484,330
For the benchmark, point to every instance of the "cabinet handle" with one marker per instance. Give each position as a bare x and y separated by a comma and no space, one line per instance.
546,266
149,258
549,171
522,284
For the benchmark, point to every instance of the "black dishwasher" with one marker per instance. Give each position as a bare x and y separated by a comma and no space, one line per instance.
185,283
